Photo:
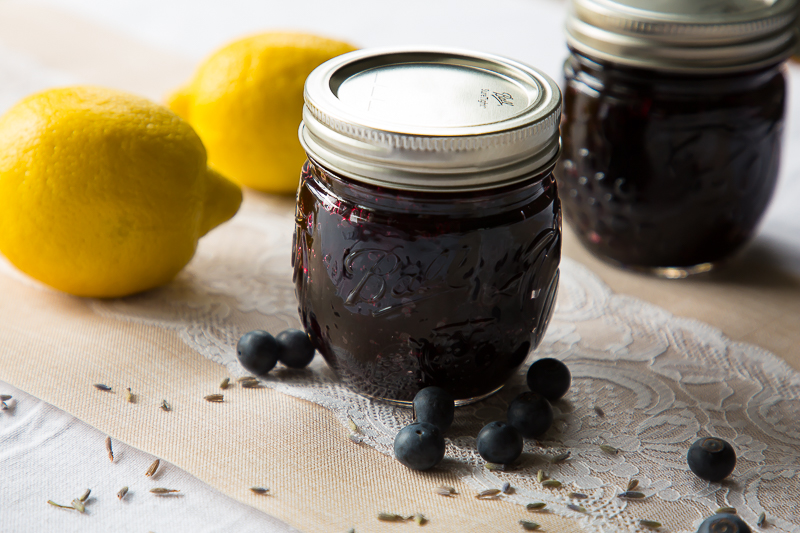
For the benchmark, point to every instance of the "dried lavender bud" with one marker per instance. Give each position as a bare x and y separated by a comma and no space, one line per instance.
391,517
160,490
78,506
650,524
445,491
610,450
560,458
488,493
153,468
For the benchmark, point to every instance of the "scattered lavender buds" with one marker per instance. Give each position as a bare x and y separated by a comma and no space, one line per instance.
100,386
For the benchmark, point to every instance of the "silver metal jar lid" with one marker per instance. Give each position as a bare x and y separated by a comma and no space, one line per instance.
431,119
685,35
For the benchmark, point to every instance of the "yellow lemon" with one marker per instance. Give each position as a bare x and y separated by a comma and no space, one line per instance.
103,193
246,103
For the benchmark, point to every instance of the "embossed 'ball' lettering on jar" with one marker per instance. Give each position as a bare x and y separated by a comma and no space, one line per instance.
672,127
428,232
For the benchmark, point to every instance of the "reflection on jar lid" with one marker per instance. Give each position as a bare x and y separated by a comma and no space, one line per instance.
431,119
685,35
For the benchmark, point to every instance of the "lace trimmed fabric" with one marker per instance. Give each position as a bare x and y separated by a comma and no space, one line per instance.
645,383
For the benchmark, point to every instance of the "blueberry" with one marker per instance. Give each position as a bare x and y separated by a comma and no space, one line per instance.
436,406
531,414
296,348
550,378
419,446
723,523
711,459
499,443
258,351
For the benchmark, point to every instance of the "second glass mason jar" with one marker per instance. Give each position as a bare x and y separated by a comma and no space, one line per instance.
428,231
672,127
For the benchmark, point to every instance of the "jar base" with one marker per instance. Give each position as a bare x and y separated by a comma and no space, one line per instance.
666,272
459,402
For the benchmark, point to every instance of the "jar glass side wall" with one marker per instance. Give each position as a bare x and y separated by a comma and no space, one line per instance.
403,290
663,170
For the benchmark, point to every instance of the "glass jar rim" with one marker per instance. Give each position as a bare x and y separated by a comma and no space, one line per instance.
445,119
690,36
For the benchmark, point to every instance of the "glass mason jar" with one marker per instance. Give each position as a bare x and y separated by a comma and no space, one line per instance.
672,127
428,231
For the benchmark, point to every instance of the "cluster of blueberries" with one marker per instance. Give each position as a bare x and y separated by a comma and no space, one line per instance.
258,351
420,445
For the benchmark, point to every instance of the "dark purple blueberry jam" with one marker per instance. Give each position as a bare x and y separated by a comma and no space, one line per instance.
667,170
403,290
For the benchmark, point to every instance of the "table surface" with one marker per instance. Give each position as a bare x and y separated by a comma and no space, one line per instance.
150,47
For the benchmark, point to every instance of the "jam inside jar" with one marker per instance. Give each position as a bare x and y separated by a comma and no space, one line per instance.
400,289
668,172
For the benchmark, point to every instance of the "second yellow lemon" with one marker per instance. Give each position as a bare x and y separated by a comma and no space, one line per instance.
246,103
